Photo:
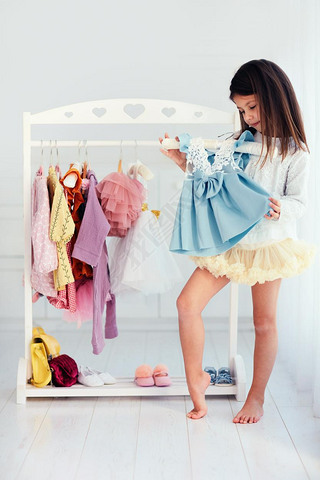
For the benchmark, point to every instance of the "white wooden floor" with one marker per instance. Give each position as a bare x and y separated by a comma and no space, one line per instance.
151,438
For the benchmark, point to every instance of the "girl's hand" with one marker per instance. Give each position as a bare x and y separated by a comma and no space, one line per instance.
178,157
274,214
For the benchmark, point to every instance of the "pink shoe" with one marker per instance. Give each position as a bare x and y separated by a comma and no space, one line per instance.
161,376
143,376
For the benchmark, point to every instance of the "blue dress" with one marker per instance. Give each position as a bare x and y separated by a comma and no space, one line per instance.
219,203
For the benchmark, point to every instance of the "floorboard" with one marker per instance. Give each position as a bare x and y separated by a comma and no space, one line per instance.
57,447
267,443
142,438
215,447
111,443
162,446
19,427
304,430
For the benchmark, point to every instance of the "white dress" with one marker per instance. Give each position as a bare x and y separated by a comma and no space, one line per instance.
141,261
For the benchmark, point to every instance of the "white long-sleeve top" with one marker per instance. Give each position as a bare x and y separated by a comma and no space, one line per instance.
286,181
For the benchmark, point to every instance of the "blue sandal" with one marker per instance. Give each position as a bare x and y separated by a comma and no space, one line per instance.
224,377
213,374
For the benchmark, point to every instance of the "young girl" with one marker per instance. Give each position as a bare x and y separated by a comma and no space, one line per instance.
270,251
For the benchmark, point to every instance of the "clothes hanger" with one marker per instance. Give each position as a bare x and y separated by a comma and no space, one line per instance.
85,168
71,178
77,165
51,167
41,167
58,169
246,147
138,168
57,153
120,159
85,164
51,154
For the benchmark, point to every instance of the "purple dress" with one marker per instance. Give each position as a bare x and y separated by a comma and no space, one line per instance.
91,248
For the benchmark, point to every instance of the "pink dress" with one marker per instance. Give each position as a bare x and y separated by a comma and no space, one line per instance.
121,199
44,251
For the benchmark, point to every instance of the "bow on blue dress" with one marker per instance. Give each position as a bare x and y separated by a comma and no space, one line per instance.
208,184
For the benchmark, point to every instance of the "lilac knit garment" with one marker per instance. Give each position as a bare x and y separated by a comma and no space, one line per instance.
91,248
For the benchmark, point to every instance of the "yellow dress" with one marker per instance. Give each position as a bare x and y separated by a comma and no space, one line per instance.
61,230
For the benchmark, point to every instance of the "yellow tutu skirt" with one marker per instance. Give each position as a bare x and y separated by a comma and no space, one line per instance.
244,264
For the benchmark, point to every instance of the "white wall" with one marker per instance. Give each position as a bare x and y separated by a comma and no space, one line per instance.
63,52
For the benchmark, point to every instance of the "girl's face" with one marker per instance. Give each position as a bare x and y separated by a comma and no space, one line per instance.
249,109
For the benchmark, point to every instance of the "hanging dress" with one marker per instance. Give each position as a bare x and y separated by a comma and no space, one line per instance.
219,203
61,231
76,204
141,262
91,248
44,250
121,198
271,249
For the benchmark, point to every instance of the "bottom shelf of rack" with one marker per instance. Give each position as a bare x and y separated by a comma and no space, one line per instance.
125,387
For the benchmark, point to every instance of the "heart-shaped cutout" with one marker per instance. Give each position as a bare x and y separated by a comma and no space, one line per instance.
99,112
134,111
198,114
168,112
68,114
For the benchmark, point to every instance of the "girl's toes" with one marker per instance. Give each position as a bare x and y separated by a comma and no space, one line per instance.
196,415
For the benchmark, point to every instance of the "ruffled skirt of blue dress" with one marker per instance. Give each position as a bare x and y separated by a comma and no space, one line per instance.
216,211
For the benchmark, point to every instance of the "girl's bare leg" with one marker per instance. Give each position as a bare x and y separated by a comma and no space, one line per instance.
264,300
200,288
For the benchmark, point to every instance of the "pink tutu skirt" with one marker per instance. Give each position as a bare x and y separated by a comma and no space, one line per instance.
121,200
84,308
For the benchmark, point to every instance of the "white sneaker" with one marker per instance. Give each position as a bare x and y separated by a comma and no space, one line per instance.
105,377
88,377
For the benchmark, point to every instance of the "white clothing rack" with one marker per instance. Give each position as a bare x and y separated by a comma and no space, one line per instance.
94,143
131,111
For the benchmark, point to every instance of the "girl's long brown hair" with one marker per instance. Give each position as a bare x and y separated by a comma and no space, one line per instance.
280,114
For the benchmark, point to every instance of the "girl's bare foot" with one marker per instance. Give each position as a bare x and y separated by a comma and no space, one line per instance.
251,411
197,391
